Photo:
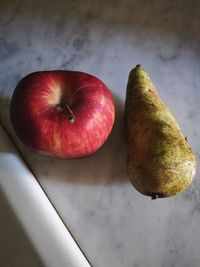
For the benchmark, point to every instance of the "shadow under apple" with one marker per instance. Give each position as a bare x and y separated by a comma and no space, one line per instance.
105,166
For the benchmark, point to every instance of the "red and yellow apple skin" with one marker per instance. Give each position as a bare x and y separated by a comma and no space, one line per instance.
65,114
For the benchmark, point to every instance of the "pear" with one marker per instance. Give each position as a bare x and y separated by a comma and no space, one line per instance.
160,161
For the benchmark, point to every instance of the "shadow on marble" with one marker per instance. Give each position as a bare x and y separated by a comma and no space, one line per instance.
15,246
65,32
103,12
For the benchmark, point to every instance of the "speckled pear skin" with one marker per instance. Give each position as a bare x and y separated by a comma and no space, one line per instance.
160,161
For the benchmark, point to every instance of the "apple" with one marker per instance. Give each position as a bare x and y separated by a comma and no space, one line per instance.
66,114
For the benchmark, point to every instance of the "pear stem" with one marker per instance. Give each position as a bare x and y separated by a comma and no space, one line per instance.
154,196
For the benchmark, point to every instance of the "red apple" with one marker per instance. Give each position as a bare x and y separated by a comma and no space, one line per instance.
66,114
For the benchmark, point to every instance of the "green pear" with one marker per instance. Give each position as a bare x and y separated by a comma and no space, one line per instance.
160,161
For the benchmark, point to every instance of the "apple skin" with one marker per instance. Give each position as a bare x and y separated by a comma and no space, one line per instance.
65,114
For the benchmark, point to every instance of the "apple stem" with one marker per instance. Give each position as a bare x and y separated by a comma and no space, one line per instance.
70,113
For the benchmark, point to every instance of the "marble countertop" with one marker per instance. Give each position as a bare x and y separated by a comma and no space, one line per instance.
112,223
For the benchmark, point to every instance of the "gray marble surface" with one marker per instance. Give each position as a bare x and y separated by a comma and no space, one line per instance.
113,224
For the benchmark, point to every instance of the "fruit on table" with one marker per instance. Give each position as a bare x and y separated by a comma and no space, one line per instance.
65,114
160,162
